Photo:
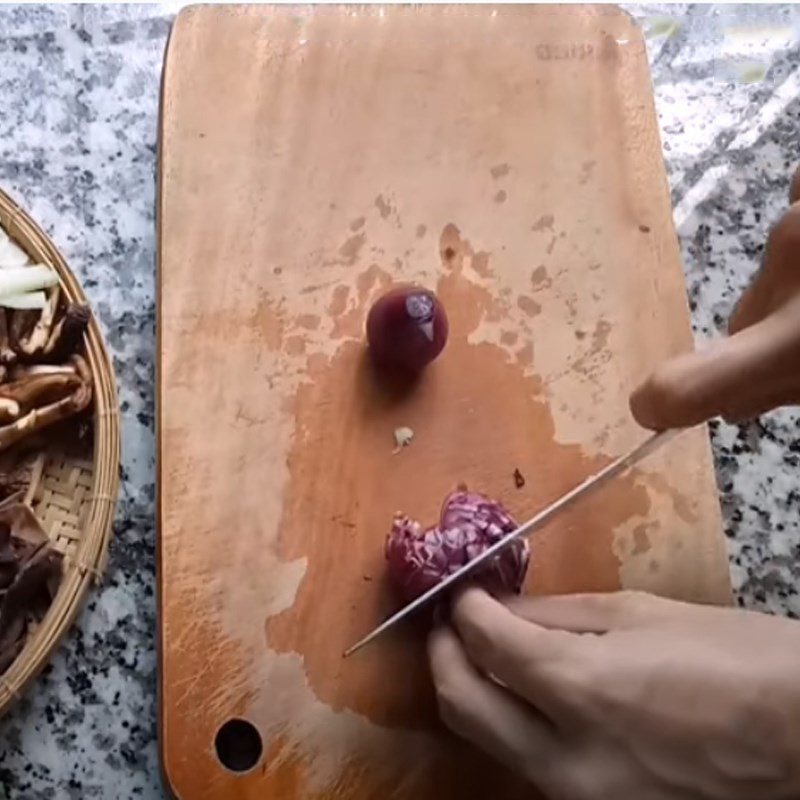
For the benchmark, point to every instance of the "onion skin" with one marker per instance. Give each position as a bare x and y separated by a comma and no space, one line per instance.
470,523
406,329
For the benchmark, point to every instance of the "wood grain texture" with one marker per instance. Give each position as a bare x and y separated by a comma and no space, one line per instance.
508,158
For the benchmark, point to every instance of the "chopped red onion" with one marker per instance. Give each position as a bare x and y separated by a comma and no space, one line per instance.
470,523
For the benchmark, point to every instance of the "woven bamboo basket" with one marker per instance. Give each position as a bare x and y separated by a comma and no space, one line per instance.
73,495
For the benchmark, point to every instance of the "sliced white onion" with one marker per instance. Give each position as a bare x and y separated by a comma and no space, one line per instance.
12,255
27,300
26,279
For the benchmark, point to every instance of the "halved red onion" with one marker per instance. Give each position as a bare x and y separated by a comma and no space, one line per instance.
470,523
406,328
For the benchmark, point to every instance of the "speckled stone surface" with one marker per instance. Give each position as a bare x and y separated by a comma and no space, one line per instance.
77,148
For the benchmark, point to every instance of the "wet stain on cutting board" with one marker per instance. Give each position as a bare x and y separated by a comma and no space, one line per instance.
477,415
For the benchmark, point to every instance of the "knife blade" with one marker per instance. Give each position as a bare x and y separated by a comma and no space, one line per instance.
591,484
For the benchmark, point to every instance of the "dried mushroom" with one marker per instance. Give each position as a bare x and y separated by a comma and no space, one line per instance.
42,397
44,380
30,573
30,329
67,334
47,336
7,354
20,469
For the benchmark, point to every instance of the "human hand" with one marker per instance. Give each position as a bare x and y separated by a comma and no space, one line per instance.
625,696
755,369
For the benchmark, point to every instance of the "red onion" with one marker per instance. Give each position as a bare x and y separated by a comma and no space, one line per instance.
406,328
470,523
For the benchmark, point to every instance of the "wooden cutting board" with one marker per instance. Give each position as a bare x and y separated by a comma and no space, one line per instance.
507,157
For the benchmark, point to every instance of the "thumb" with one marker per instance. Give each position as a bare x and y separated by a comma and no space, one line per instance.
739,377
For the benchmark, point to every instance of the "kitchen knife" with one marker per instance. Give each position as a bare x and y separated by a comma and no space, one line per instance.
591,484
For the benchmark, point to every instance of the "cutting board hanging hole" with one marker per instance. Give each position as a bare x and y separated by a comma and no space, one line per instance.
238,745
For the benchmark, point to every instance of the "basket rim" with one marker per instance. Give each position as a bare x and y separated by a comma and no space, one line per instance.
88,562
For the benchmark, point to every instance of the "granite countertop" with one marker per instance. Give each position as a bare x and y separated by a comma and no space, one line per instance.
78,145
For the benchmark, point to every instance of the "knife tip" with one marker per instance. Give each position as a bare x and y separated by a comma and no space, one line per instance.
357,646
